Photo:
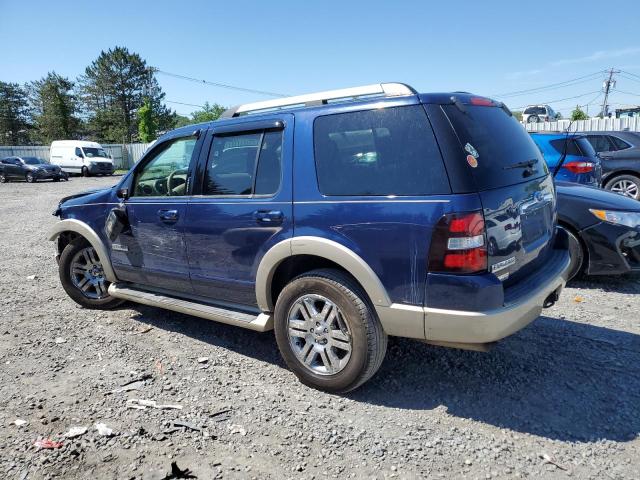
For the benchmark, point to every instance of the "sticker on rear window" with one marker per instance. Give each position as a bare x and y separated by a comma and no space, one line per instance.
472,161
470,149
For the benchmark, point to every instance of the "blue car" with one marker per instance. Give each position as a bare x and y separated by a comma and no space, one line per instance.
580,162
336,219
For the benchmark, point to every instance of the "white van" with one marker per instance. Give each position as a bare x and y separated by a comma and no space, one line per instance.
79,156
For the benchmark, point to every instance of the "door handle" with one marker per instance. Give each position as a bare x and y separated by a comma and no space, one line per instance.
269,216
168,216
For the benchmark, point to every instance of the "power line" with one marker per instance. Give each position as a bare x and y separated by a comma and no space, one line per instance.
563,99
566,83
186,104
218,84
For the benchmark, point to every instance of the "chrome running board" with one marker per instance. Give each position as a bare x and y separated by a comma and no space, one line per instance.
260,323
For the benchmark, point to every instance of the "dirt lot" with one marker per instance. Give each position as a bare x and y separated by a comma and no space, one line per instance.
561,398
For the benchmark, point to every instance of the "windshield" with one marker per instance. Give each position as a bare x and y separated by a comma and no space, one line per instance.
32,161
91,152
505,154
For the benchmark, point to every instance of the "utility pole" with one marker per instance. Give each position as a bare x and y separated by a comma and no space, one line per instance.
607,85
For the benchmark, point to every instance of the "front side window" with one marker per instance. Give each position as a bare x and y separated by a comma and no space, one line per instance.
166,173
78,152
390,151
244,164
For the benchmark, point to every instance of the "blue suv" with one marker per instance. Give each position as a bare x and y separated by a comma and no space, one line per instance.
579,161
337,219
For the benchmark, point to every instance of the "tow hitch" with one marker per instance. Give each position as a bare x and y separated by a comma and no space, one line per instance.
551,299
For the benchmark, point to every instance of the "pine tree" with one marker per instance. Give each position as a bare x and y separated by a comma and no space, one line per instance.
14,114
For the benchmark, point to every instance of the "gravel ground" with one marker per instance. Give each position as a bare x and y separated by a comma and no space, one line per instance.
560,398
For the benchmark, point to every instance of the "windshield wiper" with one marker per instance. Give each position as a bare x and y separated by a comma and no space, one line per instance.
526,164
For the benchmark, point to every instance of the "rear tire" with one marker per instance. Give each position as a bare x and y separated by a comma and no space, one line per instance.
627,185
533,119
3,179
76,268
328,332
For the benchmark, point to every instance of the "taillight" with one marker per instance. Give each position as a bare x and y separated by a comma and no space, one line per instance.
482,102
458,244
579,167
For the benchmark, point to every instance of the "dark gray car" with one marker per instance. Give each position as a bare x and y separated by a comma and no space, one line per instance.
30,169
620,153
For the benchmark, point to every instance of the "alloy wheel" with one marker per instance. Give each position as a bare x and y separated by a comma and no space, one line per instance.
319,334
625,187
87,274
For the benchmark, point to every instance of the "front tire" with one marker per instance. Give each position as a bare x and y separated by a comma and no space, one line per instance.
627,185
328,332
82,277
577,254
30,178
85,172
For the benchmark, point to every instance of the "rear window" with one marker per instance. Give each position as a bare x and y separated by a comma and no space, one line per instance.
500,143
535,111
390,151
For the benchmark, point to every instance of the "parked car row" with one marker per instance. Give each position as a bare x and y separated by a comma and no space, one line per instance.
66,157
603,227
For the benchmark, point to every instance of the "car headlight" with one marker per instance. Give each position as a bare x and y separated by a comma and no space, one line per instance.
628,219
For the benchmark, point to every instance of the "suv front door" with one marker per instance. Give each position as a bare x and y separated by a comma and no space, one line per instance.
152,251
243,206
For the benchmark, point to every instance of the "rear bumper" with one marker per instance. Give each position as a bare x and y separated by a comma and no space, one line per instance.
478,327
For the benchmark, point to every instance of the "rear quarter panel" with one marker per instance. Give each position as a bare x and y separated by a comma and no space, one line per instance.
391,234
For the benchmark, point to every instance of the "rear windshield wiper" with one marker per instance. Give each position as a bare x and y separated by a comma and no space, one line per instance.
526,164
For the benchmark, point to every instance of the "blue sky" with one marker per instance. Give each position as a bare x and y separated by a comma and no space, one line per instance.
293,47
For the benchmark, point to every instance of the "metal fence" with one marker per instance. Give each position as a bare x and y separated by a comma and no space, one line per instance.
597,124
124,155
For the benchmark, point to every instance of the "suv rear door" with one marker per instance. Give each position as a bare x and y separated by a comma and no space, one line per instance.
508,171
242,205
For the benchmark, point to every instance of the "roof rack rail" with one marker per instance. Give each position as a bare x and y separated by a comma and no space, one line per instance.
322,98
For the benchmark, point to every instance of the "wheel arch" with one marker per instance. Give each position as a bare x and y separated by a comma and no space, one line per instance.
71,227
617,173
316,252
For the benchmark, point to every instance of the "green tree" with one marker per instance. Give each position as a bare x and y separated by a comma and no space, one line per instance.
579,114
113,88
147,129
181,121
14,114
54,108
208,113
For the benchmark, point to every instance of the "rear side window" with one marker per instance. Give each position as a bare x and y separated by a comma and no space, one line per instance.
244,164
535,111
390,151
572,146
619,143
500,142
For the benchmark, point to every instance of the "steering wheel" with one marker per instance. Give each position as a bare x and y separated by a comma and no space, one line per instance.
180,171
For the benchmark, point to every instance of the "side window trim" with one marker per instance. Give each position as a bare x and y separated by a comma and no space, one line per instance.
236,130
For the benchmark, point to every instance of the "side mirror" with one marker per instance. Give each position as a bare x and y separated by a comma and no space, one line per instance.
123,193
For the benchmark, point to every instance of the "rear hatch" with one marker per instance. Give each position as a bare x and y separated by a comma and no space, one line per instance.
498,159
